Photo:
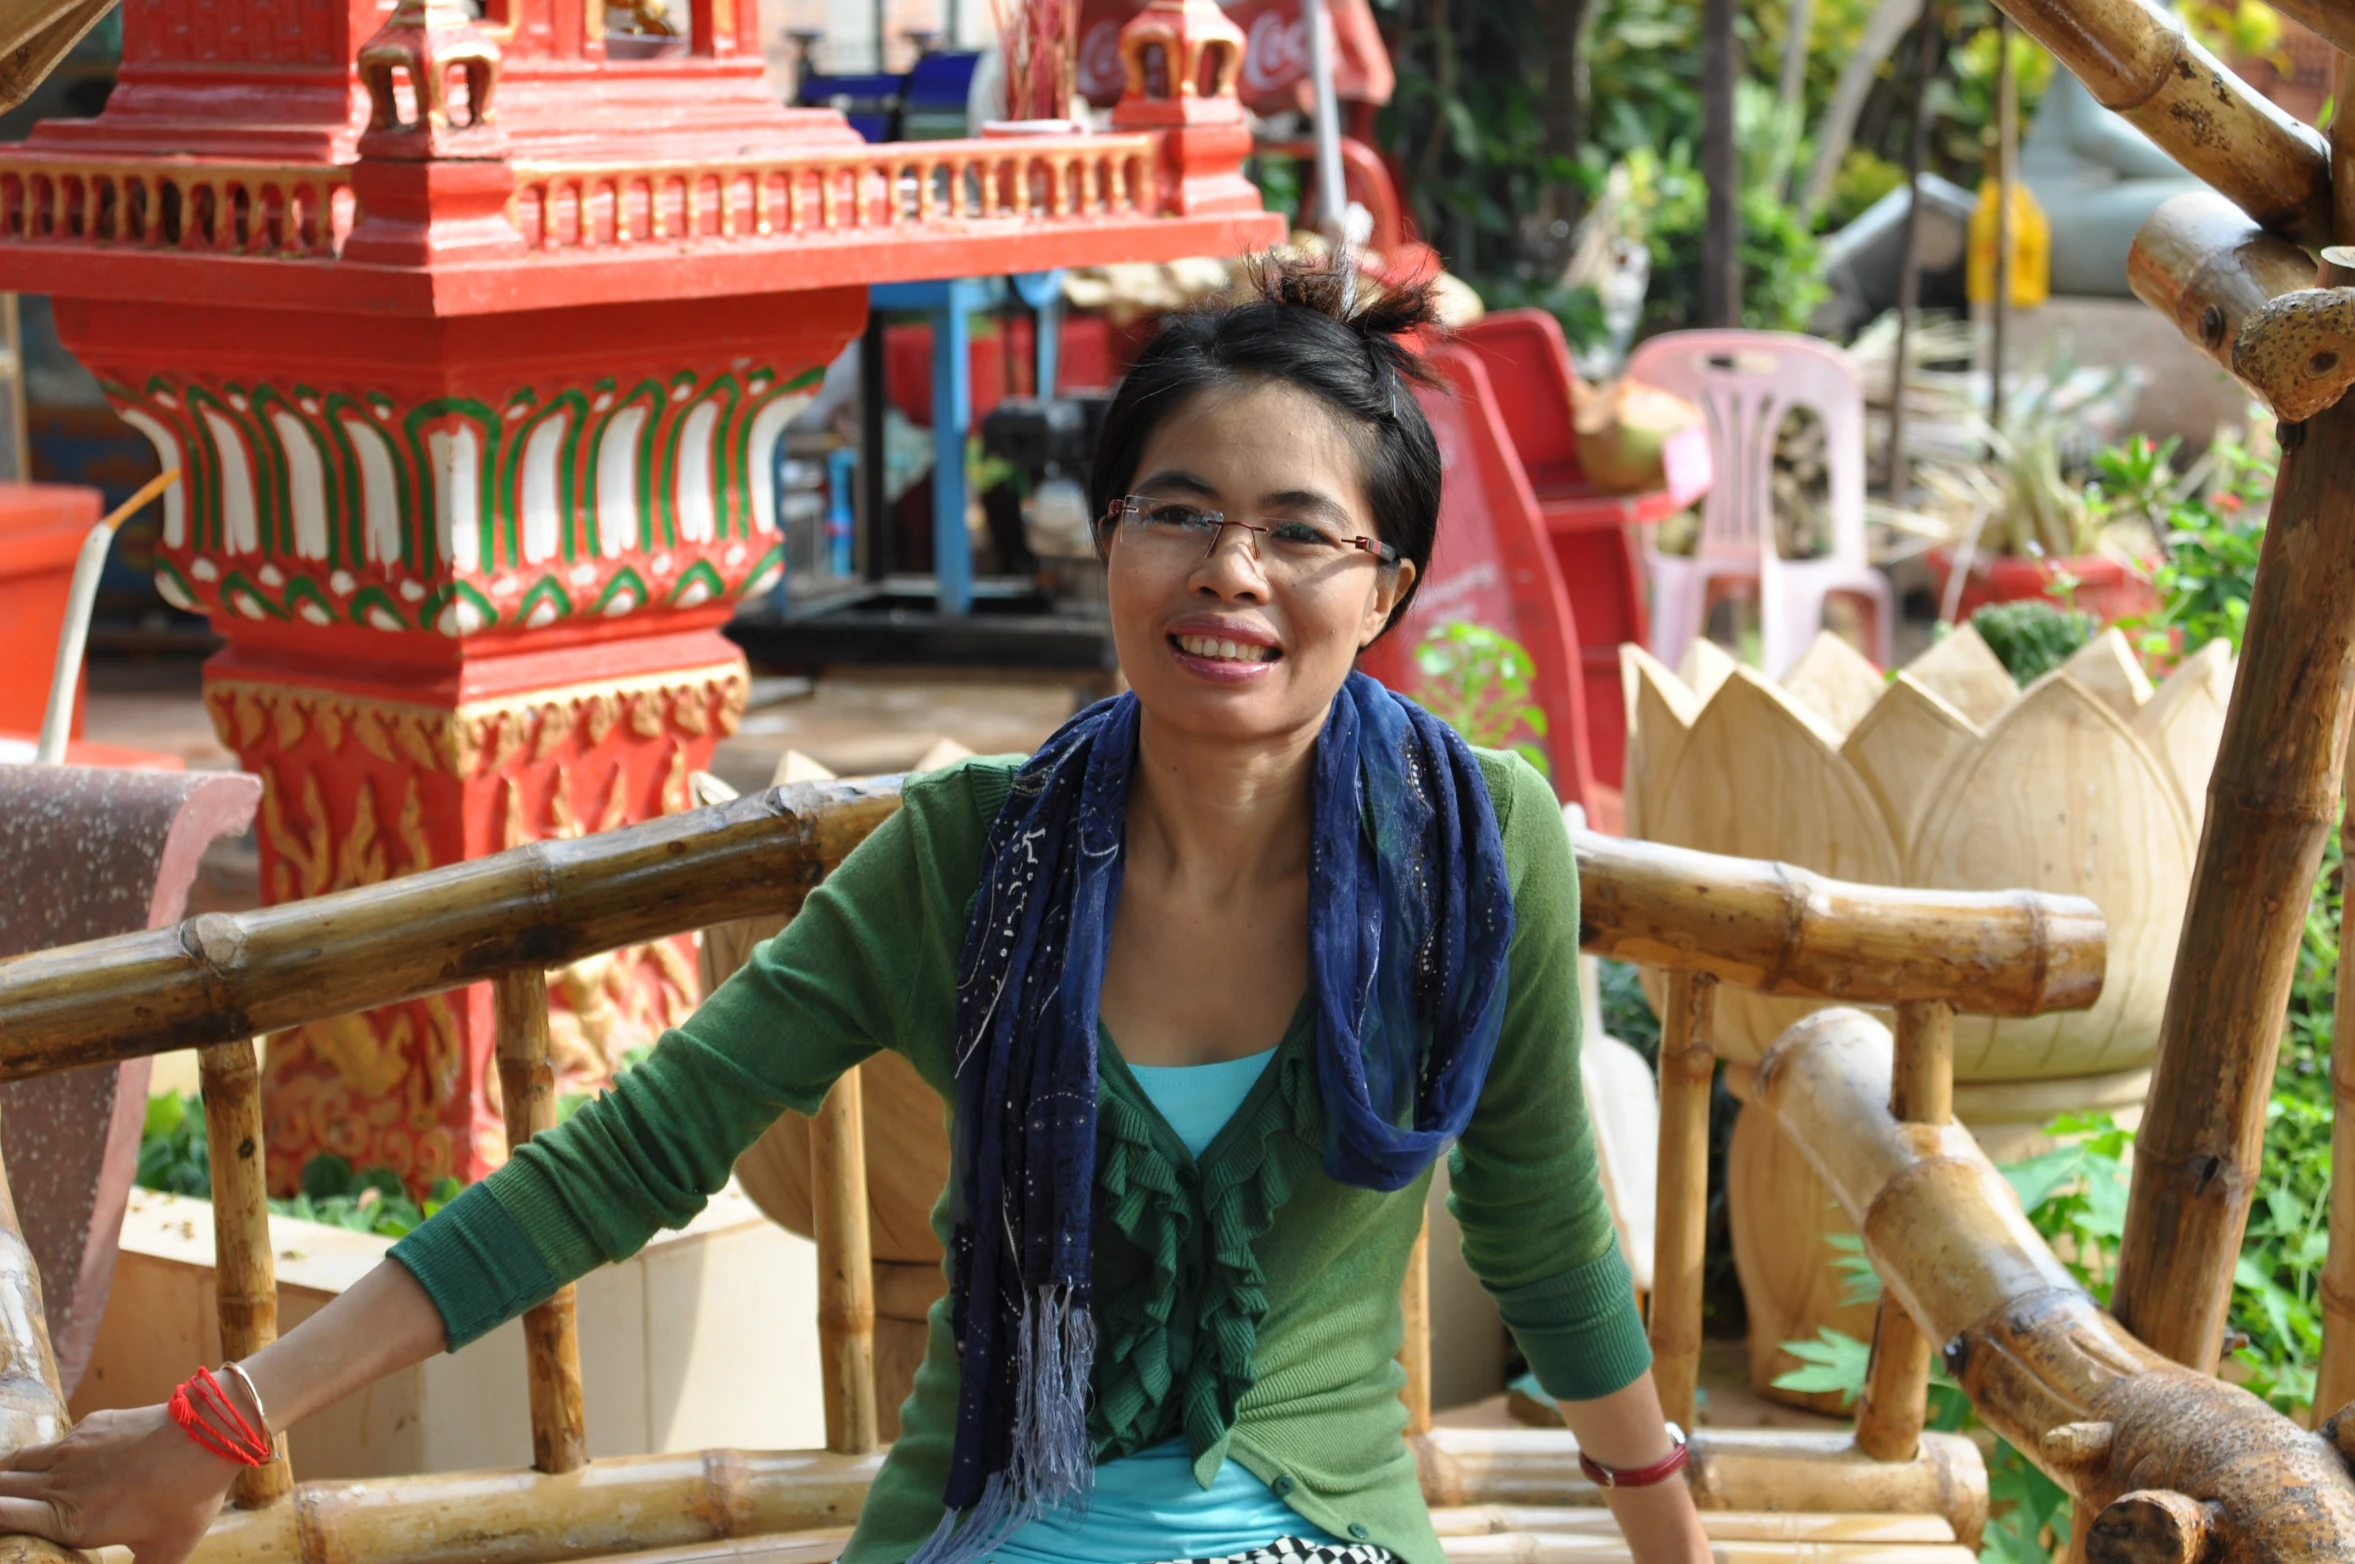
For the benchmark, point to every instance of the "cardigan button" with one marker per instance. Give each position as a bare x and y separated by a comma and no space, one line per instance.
1358,1530
1282,1485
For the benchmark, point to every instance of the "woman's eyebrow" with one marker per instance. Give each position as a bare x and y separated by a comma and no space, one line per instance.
1179,478
1308,500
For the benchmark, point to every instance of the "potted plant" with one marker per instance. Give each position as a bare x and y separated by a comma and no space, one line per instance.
2050,512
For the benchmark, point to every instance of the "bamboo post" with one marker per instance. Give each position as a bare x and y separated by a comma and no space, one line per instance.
1687,1067
1896,1400
1414,1352
2334,1378
245,1275
551,1336
2272,800
846,1269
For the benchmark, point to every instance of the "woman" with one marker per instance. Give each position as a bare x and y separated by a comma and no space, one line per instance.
1175,1250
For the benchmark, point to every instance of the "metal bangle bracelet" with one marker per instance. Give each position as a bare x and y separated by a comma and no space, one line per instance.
261,1412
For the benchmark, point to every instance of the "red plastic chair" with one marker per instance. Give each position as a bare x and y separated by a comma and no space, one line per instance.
1593,536
1492,568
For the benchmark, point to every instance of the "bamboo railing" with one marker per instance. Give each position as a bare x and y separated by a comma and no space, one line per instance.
1707,921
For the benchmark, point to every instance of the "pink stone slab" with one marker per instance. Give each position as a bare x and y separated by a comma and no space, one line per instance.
87,852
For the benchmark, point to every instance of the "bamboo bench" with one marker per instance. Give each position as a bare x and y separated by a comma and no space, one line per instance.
218,981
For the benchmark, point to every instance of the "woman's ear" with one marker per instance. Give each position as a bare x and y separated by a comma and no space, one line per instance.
1390,589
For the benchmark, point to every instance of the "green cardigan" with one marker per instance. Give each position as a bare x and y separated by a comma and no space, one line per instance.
1247,1302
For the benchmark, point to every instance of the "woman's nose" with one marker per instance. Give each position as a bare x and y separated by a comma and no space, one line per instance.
1232,567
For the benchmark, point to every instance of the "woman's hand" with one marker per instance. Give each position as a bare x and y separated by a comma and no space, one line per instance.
131,1478
136,1479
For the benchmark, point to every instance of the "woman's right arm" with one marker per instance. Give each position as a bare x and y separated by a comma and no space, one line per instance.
135,1478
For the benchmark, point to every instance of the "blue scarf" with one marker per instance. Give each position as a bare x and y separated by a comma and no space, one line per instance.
1410,919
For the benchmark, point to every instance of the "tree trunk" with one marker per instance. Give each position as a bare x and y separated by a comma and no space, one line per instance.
1565,104
1721,249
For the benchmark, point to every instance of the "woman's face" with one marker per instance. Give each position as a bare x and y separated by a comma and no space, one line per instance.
1246,640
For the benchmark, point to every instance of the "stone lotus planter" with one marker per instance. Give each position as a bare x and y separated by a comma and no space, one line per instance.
2089,782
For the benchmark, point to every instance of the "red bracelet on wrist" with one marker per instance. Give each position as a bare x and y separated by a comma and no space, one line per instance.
1638,1476
202,1408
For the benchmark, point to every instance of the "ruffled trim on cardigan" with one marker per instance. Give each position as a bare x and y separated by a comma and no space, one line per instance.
1142,1195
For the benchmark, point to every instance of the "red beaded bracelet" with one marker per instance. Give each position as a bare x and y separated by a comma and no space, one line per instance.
1638,1476
201,1407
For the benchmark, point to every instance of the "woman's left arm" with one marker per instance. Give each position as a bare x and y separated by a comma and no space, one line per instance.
1525,1186
1624,1431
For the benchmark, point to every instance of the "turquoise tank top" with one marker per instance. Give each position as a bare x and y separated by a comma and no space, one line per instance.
1147,1506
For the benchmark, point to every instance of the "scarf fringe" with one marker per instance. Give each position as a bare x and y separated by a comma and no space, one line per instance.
1052,1466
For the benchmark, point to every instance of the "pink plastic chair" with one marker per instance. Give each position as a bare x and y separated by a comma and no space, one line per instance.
1745,382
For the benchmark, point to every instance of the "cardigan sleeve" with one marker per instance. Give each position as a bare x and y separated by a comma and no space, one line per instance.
875,941
1524,1182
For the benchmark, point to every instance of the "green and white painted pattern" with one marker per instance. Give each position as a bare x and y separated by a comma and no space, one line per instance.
458,516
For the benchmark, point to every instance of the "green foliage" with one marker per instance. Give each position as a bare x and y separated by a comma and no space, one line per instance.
373,1200
172,1152
2211,537
2034,636
1627,1015
1863,178
173,1158
1782,271
1835,1361
1478,682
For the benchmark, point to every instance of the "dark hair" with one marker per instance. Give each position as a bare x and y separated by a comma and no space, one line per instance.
1317,325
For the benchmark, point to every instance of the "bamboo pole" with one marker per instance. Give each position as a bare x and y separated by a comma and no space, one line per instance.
2099,1411
2200,261
1778,930
1896,1399
846,1269
2134,58
551,1337
1732,1469
1414,1352
32,1404
223,976
245,1273
2334,1377
2272,800
1681,1222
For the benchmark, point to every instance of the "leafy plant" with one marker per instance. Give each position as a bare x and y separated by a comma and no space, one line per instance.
2034,636
173,1158
2212,537
1478,682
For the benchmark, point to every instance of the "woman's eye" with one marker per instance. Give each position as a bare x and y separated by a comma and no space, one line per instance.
1175,517
1299,534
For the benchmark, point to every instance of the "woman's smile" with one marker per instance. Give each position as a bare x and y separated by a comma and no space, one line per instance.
1223,650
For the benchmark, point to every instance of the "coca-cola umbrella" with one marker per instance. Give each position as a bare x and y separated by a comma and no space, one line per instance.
1275,75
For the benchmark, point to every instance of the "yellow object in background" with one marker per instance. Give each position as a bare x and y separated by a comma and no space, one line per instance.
2031,248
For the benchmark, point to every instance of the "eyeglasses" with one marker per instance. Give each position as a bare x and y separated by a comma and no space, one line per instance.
1296,548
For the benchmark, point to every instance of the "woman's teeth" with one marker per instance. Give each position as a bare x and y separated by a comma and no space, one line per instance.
1226,651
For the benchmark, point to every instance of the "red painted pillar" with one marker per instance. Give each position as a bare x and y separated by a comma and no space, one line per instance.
474,346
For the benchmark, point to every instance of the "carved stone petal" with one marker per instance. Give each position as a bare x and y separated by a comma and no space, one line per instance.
2061,796
1706,665
1961,671
1762,777
2110,671
2184,723
1835,681
1660,714
1903,750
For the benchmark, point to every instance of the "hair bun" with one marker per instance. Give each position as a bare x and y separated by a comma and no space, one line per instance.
1330,283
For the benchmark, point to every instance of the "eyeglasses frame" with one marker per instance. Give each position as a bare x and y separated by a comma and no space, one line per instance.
1129,505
